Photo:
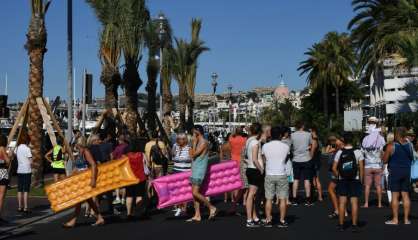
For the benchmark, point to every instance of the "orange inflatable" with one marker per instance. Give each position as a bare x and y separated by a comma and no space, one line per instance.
76,188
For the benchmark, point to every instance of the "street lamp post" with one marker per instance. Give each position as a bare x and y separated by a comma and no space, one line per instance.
161,19
214,85
230,106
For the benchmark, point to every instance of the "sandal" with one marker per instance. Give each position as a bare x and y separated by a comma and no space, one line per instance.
98,224
391,223
67,226
407,222
192,220
213,214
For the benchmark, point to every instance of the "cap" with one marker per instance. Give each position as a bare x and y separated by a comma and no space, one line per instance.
373,119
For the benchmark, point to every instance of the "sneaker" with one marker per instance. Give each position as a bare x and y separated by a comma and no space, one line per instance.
283,224
267,224
177,213
293,202
308,203
340,228
252,224
116,201
355,229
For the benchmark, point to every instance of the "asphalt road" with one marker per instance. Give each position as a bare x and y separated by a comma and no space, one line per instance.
305,223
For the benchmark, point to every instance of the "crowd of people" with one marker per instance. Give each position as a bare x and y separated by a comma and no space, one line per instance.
275,164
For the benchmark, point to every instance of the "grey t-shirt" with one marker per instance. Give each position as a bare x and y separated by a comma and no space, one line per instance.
301,142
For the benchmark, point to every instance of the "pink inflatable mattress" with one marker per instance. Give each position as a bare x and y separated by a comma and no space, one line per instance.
176,188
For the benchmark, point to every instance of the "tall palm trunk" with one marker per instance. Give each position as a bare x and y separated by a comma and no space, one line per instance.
152,72
182,105
36,47
190,108
167,96
132,83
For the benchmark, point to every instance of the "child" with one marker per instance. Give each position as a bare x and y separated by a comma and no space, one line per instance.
348,167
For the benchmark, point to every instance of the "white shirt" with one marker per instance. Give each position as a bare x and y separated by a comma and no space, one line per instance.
24,159
357,153
251,143
275,153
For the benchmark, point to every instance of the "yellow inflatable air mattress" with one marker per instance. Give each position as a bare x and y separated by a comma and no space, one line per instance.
76,188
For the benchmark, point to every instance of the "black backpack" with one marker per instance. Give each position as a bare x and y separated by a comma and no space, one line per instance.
347,165
157,155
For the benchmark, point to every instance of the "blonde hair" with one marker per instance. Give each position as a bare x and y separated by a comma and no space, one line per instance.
390,137
92,138
81,142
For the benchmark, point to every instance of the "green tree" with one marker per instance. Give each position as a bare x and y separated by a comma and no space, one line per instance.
184,59
133,20
382,29
36,39
198,47
110,48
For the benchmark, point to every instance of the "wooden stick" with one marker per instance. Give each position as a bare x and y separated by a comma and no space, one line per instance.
58,128
47,121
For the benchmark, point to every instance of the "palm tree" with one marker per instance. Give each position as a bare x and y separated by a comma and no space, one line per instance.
380,28
166,71
180,56
110,48
36,39
132,23
340,62
184,59
330,63
314,67
198,48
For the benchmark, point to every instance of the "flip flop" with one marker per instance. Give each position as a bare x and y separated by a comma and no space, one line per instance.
67,226
98,224
192,220
391,223
407,223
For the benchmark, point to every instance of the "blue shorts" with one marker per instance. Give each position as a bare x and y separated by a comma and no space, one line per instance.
399,179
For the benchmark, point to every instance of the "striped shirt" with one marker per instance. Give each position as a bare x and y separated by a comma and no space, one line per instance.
181,158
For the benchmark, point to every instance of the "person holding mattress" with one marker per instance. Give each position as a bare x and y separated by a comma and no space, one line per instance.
199,153
86,156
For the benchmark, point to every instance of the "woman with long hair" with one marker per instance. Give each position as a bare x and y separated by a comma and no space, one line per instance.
255,170
87,158
199,153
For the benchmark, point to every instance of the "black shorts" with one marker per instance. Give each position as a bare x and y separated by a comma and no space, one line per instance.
23,182
4,182
254,177
58,170
399,179
303,170
137,190
349,188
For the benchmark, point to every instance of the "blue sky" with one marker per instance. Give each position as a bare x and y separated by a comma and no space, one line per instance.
252,42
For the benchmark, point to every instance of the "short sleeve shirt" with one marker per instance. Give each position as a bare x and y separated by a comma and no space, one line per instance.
301,142
24,159
357,153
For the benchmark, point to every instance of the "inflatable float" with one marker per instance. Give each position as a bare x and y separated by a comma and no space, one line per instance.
176,188
76,188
